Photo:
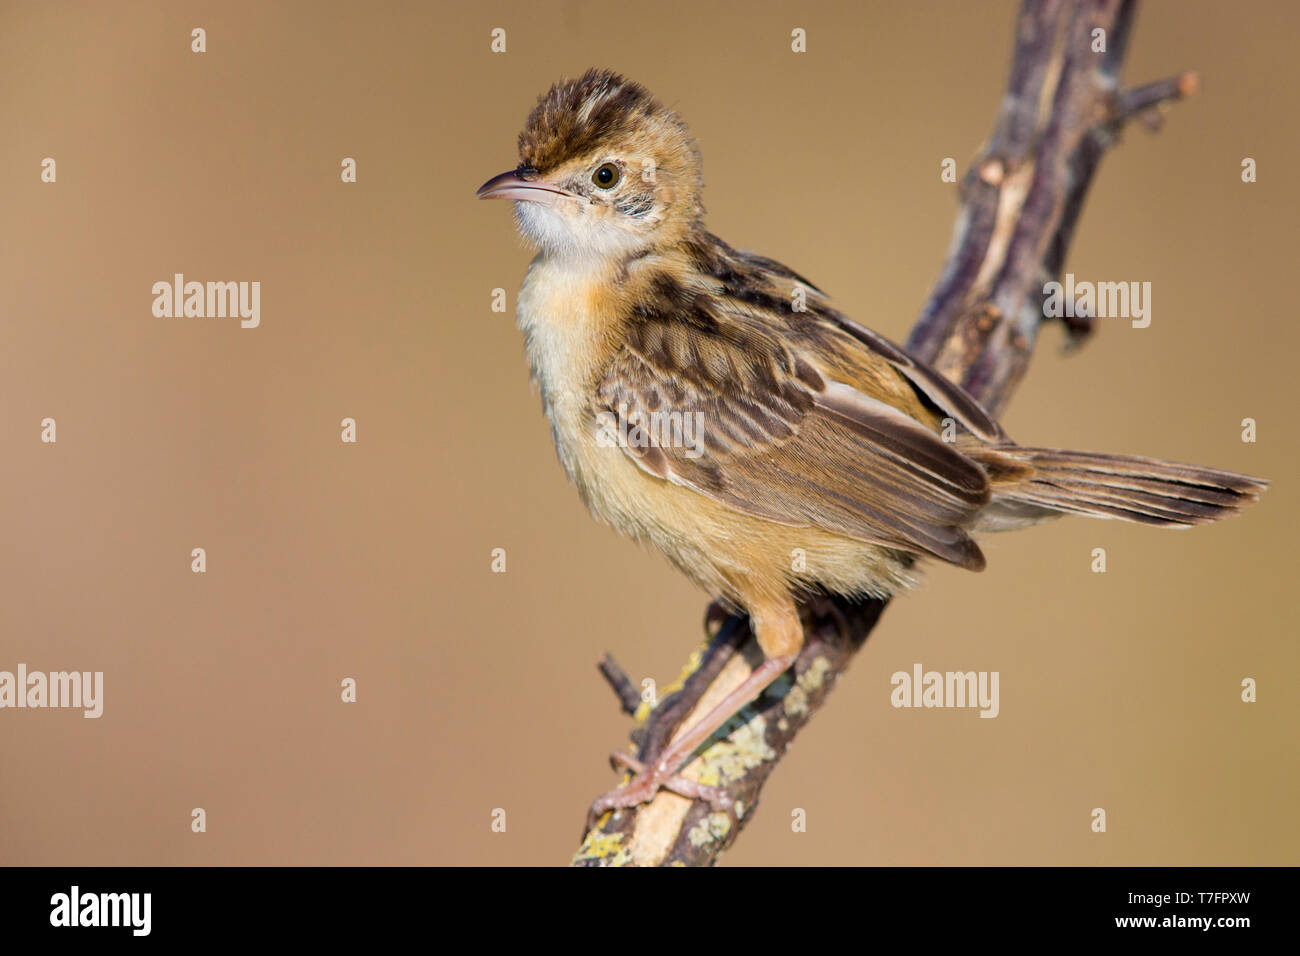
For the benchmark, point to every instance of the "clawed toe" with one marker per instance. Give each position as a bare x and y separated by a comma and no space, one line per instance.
648,781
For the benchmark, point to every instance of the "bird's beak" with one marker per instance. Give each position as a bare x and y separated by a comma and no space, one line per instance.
523,185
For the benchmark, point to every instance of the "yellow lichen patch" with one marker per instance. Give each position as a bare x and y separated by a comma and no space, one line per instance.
743,749
606,848
645,708
796,701
795,704
713,827
692,665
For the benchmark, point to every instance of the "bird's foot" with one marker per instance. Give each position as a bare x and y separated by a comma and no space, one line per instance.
647,782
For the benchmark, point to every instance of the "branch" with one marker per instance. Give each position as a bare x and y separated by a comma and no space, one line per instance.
1020,203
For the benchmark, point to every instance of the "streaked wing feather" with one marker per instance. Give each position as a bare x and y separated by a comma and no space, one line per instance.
942,392
782,443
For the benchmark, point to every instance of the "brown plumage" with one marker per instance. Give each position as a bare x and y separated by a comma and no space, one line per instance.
754,420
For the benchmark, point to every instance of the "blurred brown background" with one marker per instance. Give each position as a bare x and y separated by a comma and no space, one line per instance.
477,690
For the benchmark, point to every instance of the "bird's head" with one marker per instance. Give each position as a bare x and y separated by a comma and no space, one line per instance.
605,171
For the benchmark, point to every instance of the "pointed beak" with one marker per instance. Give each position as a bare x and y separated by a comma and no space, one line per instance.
522,185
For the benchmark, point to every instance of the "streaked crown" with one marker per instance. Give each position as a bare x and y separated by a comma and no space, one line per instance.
603,112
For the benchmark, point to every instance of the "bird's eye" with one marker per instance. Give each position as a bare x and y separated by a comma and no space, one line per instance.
605,177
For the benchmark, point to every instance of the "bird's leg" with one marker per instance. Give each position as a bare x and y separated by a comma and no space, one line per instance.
780,634
664,773
691,789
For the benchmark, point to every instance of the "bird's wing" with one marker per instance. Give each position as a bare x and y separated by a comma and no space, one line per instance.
757,283
772,436
942,393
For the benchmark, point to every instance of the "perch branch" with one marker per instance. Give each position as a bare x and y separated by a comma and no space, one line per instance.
1020,202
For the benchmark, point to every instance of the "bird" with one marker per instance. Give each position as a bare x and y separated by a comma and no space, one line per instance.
717,406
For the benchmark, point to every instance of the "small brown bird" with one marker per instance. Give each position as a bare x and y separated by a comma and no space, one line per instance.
713,403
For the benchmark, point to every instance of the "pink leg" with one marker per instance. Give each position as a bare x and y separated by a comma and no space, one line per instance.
648,781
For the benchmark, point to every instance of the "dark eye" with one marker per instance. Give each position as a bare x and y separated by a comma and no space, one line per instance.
606,176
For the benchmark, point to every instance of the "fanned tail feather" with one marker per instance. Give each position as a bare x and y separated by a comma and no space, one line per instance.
1034,484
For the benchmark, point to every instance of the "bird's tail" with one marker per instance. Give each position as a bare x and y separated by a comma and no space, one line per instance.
1033,484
